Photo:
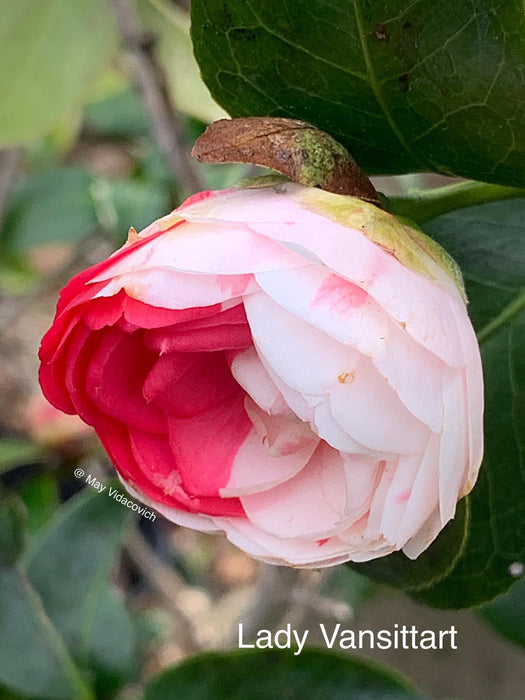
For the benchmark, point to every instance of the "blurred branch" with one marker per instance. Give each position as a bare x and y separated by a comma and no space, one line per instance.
9,162
165,581
270,602
149,77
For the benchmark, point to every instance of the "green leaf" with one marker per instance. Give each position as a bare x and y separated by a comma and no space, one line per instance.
112,644
124,203
13,517
15,453
171,25
431,566
418,86
257,675
506,614
69,564
423,205
52,50
33,658
40,496
121,115
51,206
487,242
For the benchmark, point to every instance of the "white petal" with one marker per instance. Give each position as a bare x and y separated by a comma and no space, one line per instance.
306,359
424,496
453,455
311,504
251,374
370,411
206,249
424,538
274,451
398,494
349,315
420,303
168,289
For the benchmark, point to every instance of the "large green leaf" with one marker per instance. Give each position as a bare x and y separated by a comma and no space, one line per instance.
488,243
112,644
69,565
51,51
314,674
426,85
33,658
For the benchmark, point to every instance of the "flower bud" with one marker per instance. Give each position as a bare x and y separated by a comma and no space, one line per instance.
292,367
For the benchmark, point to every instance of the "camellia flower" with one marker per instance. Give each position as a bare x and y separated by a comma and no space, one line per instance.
293,367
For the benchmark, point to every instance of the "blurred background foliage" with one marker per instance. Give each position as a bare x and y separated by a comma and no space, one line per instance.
95,603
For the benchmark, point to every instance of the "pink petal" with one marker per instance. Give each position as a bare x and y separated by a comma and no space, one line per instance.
158,466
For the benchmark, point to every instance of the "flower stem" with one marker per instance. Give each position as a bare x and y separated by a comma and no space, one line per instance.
421,206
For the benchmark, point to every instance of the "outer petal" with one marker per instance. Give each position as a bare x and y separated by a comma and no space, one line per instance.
422,304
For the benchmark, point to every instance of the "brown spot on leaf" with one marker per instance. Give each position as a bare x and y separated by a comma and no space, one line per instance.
403,79
382,33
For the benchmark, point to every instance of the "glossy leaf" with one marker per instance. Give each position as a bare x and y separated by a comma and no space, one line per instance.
428,85
313,674
49,60
488,243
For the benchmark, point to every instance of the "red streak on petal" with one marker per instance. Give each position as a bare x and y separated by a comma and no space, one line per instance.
196,198
339,295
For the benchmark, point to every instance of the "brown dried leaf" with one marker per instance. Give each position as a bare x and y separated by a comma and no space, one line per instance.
292,147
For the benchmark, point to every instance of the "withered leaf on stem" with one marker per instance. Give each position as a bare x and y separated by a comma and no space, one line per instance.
292,147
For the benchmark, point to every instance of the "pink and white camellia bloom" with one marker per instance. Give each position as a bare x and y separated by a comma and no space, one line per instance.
292,367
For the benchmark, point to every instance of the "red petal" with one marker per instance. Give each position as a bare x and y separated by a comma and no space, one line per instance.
205,446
